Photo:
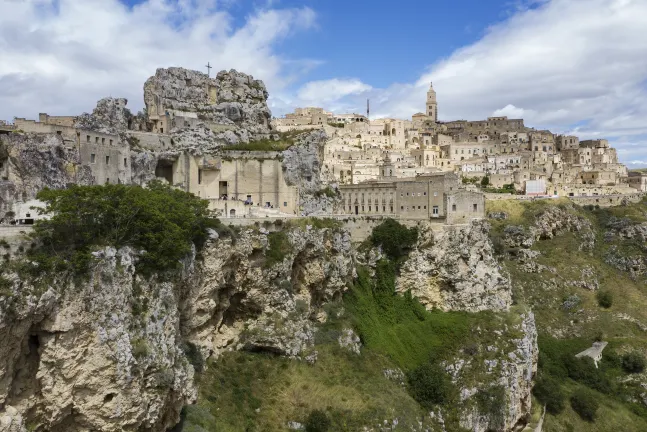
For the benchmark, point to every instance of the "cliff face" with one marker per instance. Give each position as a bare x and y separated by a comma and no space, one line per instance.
118,351
110,116
232,99
453,268
507,366
37,161
302,165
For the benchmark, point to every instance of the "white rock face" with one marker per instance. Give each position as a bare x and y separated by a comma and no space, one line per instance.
37,161
302,167
231,99
109,354
110,116
513,371
454,269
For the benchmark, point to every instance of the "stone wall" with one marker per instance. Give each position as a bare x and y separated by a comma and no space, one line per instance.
151,141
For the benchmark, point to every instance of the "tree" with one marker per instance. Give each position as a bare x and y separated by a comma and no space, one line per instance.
633,362
548,391
394,238
605,299
485,181
429,385
160,221
317,421
585,404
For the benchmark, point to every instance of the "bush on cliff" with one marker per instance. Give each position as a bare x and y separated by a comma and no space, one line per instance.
429,385
160,220
395,239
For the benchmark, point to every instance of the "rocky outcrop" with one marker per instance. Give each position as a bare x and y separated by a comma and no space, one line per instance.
35,162
553,221
110,116
510,365
117,352
302,165
233,105
453,268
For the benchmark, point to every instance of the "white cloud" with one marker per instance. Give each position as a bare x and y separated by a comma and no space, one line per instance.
331,90
61,56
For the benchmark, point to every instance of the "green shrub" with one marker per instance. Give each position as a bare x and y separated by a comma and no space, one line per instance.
605,299
140,348
485,181
317,421
395,239
633,362
160,220
584,371
194,356
548,392
429,385
4,244
279,247
585,404
491,403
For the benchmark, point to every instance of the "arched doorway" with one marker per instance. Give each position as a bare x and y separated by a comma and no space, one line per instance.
232,213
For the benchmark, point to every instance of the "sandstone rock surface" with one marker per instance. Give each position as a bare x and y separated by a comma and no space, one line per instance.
453,268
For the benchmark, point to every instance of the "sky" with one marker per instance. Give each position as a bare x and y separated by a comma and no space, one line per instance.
571,66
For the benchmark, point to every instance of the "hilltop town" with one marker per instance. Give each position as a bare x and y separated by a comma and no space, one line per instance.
215,137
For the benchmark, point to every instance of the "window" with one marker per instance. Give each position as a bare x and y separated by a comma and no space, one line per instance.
88,138
401,207
96,140
103,140
93,158
161,130
285,203
476,207
107,180
453,207
110,142
434,210
199,176
424,193
425,208
435,194
107,160
125,162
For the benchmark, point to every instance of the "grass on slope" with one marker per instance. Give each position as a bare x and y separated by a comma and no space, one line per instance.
261,392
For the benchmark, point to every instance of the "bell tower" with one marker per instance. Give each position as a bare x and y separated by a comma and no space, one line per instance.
432,105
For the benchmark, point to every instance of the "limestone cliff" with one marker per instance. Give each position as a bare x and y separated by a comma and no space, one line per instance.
453,268
302,165
110,116
509,367
37,161
117,352
233,105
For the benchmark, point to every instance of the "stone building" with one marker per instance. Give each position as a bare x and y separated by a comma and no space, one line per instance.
234,183
105,154
424,197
